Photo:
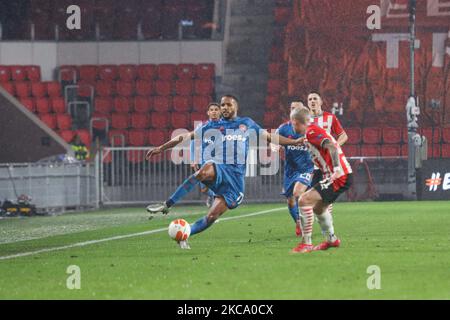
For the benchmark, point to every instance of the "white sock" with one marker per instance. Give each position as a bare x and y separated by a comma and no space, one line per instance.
307,219
326,224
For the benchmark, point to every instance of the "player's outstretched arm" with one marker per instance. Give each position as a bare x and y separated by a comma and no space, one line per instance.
280,140
169,145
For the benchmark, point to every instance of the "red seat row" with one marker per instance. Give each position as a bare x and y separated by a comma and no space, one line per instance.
57,121
143,104
44,105
24,89
68,135
144,121
146,88
387,150
205,71
20,73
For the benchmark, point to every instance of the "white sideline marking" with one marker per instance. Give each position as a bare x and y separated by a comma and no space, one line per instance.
86,243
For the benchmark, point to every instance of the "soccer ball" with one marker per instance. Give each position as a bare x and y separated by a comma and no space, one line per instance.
179,230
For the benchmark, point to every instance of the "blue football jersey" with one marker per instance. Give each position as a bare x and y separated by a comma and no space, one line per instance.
227,141
297,158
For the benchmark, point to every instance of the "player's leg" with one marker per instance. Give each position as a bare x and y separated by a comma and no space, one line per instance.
307,202
205,173
292,204
218,208
325,220
299,189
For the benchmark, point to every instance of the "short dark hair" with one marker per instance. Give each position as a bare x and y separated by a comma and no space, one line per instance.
213,104
231,96
315,92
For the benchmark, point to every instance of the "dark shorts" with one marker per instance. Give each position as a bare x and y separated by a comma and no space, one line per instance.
328,193
317,177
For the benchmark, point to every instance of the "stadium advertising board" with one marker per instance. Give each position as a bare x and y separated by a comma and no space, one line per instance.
435,181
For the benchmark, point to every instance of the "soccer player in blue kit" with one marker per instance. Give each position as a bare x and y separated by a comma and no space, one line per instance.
298,169
224,173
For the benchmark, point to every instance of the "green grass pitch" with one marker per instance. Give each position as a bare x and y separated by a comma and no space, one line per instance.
244,258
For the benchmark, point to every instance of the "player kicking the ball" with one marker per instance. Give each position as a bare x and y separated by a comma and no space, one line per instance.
337,173
225,145
298,169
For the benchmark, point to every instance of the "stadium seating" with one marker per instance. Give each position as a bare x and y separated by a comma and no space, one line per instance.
137,138
368,150
392,135
390,151
371,135
354,135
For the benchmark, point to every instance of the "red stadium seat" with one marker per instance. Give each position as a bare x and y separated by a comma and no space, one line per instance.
392,135
64,121
136,156
137,138
446,150
166,71
180,120
23,89
38,89
204,87
67,135
371,135
120,120
282,15
127,72
184,87
354,135
103,105
352,150
99,120
54,89
122,104
163,87
200,103
275,86
389,150
276,53
58,105
157,137
147,72
9,87
142,104
43,105
108,72
125,89
5,73
198,117
118,138
446,135
434,150
404,150
185,71
68,73
144,88
140,120
18,73
104,88
205,70
49,120
85,137
271,119
182,103
33,73
88,73
159,120
272,102
432,134
368,150
162,103
29,104
85,88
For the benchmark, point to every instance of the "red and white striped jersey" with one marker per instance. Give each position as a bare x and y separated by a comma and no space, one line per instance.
329,122
315,137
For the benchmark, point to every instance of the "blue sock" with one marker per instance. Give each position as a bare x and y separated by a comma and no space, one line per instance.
200,225
187,186
294,213
210,193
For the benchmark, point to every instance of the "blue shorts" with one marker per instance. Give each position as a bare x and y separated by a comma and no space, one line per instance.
289,183
229,184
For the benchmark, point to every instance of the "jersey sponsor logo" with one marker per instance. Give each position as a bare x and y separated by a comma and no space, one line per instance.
297,148
243,127
234,137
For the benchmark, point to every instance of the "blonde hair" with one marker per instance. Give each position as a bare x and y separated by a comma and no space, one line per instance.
300,114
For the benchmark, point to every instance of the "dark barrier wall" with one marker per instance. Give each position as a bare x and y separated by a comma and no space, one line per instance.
23,137
434,182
